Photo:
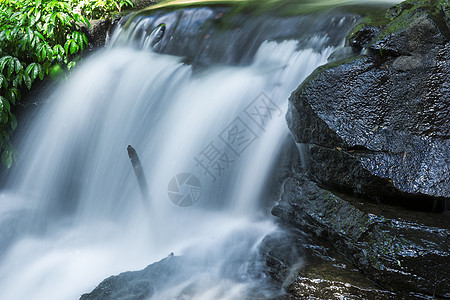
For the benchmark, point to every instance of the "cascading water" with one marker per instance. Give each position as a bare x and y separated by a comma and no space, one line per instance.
207,138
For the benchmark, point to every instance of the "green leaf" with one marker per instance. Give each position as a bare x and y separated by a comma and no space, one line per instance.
3,61
58,50
44,52
13,121
36,71
5,103
46,19
71,65
46,66
2,100
85,39
67,45
74,48
33,70
27,80
83,20
33,21
3,81
11,66
64,18
76,36
17,81
29,35
53,17
29,69
41,52
17,92
4,116
49,29
43,55
38,15
41,73
80,39
34,41
39,35
19,67
14,95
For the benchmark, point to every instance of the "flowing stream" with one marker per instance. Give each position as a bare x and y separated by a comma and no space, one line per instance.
72,213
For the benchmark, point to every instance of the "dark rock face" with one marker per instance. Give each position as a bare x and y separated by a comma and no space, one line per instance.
98,32
377,124
139,4
401,251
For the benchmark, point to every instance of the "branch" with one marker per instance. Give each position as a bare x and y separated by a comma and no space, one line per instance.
138,170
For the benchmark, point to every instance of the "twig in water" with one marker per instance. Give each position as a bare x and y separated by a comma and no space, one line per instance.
138,170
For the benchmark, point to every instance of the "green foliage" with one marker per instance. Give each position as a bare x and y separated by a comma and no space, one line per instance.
99,9
35,36
40,38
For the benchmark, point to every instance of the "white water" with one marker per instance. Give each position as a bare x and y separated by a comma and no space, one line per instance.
79,216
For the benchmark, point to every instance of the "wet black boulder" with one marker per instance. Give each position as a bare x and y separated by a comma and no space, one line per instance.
376,123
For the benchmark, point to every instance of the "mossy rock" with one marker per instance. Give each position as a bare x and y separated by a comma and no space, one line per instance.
425,18
400,250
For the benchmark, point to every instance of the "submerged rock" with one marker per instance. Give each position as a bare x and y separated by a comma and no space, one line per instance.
376,123
137,284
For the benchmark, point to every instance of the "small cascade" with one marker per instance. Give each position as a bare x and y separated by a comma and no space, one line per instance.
208,131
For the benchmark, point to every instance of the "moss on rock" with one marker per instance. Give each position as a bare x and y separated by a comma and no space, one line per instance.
400,250
374,29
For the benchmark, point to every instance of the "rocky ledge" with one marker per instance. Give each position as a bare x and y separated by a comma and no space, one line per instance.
375,120
404,253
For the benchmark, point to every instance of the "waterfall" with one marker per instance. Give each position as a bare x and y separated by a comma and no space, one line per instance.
208,137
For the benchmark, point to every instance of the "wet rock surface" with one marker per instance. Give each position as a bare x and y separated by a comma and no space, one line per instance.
207,36
139,4
169,274
138,284
308,268
401,251
307,288
98,33
376,123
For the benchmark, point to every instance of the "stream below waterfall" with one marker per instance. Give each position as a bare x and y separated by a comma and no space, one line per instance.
208,129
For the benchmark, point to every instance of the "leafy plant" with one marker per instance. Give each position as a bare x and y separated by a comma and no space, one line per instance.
35,37
99,9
